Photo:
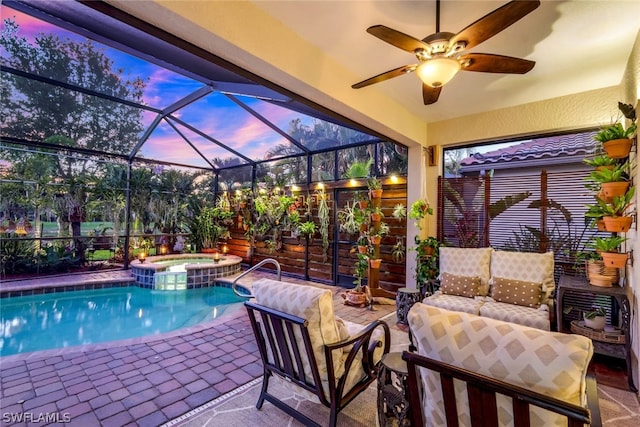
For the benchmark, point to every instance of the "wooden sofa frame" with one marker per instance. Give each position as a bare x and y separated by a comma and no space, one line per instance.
281,330
482,392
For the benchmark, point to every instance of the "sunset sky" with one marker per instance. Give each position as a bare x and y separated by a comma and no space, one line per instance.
215,115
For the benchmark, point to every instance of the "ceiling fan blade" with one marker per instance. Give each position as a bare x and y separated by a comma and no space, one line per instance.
494,22
396,38
489,63
405,69
430,94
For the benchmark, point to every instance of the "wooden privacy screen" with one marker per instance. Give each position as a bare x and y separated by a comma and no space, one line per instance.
308,262
538,212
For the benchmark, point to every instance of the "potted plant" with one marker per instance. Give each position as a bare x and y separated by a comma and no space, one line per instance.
419,209
601,162
609,250
376,215
596,213
362,199
595,318
375,187
357,296
615,139
307,228
614,217
613,182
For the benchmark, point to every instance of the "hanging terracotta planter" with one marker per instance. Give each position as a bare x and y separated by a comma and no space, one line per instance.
362,249
376,194
613,189
618,148
376,217
375,240
617,224
600,225
364,204
599,168
614,259
375,263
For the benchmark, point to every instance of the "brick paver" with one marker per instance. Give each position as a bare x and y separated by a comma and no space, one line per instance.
146,383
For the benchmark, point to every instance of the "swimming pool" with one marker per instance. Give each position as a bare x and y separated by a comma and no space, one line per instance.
65,319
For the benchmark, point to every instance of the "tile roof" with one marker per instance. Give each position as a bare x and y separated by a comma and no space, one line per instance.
580,144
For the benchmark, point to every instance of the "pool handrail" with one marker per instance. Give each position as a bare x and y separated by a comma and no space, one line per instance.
255,267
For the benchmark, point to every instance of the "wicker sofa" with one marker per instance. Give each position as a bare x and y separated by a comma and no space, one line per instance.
511,286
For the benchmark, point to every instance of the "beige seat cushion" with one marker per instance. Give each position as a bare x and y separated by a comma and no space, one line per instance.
469,262
455,302
313,304
547,362
533,317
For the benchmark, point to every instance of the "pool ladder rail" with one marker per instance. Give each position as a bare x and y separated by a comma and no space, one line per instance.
234,284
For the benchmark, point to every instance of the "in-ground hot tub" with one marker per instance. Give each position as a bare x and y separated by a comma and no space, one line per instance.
183,271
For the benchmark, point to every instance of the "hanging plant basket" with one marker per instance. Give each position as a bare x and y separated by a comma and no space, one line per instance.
376,217
362,249
617,224
614,259
613,189
618,148
364,204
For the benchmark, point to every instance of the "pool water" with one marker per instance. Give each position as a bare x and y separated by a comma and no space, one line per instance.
58,320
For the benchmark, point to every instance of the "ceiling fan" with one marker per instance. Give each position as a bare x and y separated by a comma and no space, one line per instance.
440,54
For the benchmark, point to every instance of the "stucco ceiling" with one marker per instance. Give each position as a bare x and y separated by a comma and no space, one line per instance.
577,45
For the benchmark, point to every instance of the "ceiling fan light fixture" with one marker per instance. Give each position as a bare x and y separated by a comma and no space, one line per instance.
437,72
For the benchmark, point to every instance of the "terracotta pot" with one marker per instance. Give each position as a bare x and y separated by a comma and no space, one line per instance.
599,168
376,194
600,225
364,204
356,297
613,259
209,250
363,249
613,189
375,263
376,217
375,240
618,148
617,224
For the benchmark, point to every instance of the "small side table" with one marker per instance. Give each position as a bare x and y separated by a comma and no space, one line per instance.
405,298
393,405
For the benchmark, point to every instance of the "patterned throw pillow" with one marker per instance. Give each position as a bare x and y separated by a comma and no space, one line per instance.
527,294
459,285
